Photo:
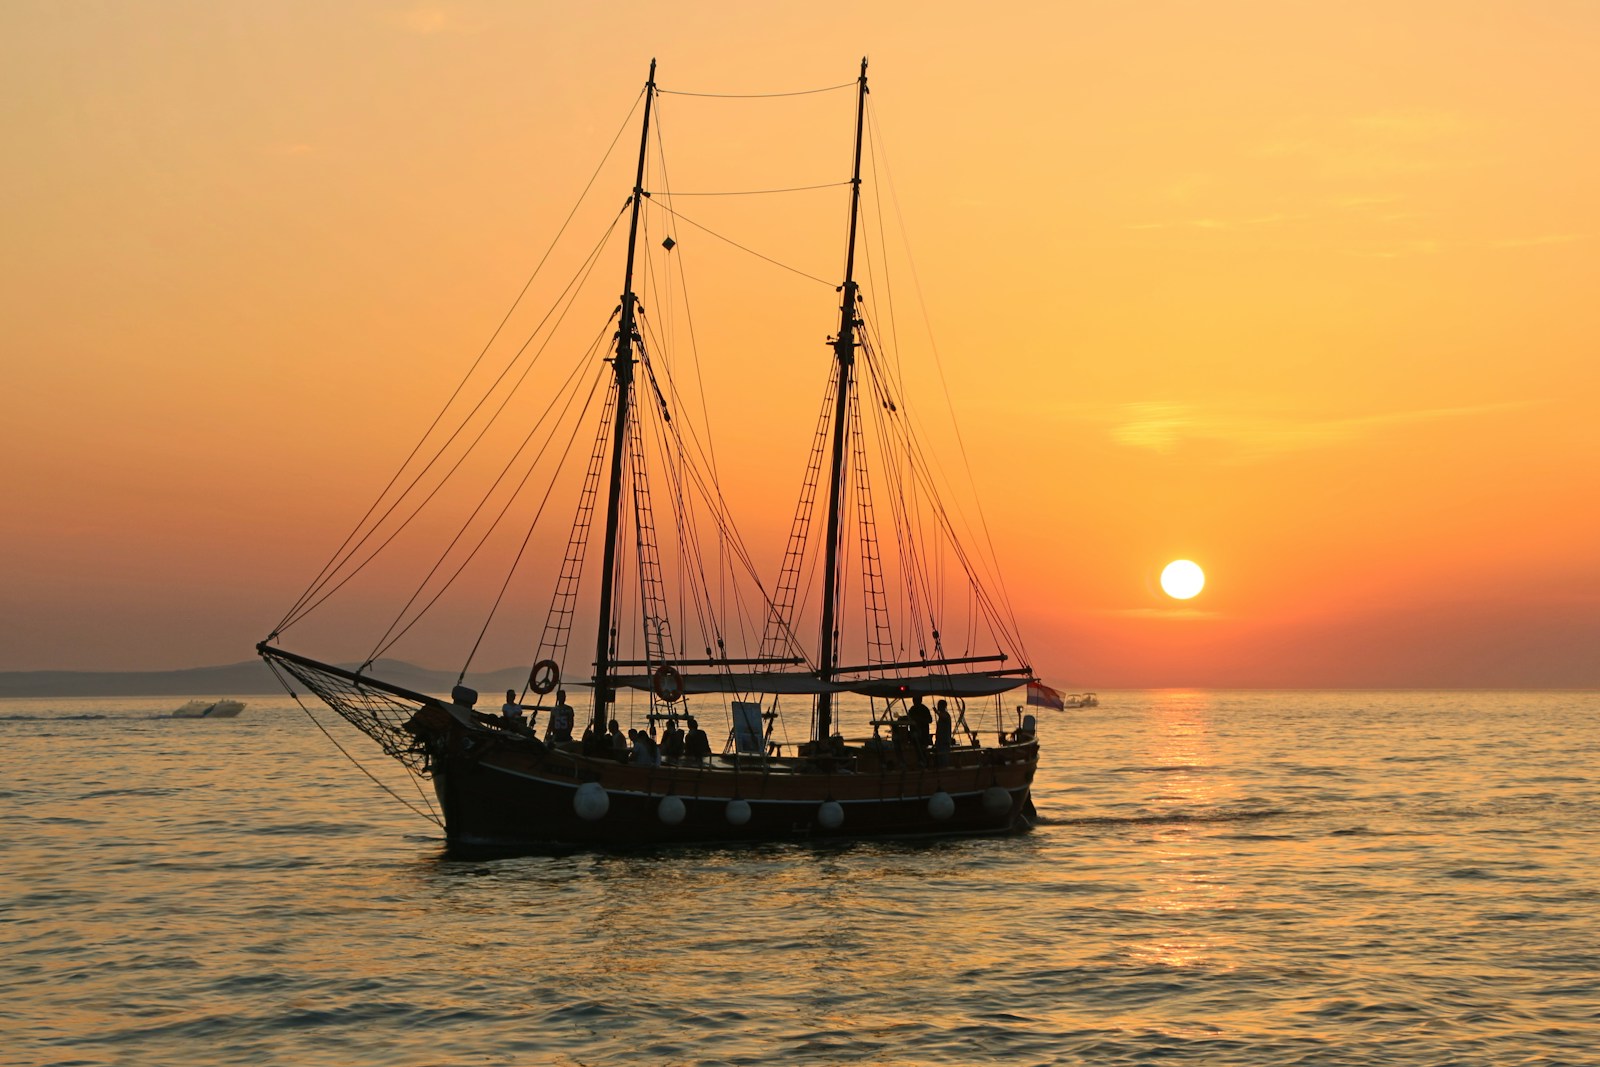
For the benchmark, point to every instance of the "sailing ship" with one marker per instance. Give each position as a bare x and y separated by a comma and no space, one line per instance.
502,785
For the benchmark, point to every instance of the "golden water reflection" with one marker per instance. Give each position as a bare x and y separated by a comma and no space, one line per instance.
1182,888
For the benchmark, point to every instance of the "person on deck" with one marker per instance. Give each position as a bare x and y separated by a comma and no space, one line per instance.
1025,729
920,719
560,728
696,745
943,732
672,742
619,743
646,753
511,711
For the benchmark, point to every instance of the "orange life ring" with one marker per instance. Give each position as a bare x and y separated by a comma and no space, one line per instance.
668,683
544,676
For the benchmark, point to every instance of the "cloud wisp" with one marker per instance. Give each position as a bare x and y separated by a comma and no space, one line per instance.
430,19
1164,427
1173,613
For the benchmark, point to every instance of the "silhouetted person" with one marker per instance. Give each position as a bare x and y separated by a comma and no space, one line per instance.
511,711
672,742
943,731
560,719
696,745
619,743
920,719
646,753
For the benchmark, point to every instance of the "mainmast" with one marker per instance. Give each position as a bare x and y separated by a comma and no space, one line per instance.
844,351
622,364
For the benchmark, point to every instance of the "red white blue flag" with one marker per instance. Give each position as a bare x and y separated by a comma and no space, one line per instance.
1042,696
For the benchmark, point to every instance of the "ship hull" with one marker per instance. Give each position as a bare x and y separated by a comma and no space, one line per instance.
502,793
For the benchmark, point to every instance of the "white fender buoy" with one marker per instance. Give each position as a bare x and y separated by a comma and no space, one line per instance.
941,806
737,812
996,801
591,801
671,810
830,815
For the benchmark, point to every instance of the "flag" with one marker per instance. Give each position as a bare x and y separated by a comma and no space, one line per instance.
1042,696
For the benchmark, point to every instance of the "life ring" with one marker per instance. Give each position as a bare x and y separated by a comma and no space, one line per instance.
668,683
546,674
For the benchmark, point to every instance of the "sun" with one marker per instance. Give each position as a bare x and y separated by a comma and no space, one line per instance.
1182,579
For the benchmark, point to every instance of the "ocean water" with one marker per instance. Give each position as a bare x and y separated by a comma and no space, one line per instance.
1221,878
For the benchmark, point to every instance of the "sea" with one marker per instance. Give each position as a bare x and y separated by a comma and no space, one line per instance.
1217,878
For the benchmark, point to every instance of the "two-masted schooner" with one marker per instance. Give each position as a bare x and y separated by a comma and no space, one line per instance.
896,770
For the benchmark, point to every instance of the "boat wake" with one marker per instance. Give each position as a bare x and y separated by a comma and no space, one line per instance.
89,716
1167,818
96,716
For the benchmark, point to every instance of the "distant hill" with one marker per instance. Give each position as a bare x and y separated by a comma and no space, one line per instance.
233,679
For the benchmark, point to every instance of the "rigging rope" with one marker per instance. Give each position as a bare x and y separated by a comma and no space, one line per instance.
688,315
697,468
776,263
304,608
386,641
707,480
523,548
338,559
759,192
692,570
756,96
1005,608
557,633
430,814
677,400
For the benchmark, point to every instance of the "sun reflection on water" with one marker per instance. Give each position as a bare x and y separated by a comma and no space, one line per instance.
1183,889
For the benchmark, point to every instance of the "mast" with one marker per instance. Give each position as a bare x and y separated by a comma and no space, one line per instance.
622,365
844,351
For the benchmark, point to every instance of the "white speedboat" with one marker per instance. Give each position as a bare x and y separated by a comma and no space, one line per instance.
209,709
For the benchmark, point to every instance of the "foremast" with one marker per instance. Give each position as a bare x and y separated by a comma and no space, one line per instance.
844,346
622,366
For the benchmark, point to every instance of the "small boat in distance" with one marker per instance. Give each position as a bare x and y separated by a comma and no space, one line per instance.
209,709
1083,700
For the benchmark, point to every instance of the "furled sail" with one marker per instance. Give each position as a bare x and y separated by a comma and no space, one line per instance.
949,685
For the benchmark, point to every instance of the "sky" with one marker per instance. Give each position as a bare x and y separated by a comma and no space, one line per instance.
1301,292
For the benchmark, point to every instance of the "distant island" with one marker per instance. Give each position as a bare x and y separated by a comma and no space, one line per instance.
233,679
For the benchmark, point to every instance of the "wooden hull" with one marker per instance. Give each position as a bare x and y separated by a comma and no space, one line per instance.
502,793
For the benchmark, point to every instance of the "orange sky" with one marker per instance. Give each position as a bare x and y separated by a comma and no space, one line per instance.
1301,292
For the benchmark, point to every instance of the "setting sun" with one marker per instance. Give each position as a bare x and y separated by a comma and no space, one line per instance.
1182,579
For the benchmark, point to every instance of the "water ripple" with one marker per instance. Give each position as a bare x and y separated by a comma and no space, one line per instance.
1253,879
